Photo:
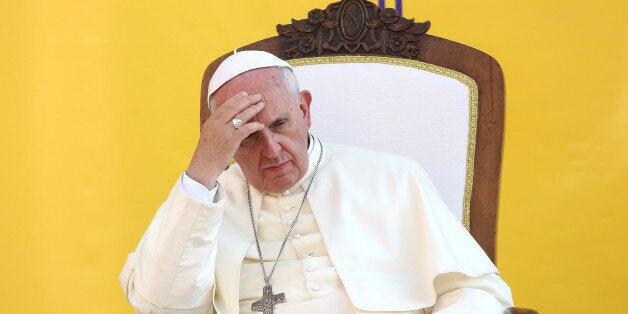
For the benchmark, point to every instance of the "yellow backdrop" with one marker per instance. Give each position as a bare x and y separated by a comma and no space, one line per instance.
100,116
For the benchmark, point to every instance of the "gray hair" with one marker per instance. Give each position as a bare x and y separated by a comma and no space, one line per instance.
289,79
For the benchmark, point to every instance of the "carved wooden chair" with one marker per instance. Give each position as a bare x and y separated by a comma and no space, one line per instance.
379,81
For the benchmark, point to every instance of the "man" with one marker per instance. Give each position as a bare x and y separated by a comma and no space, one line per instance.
298,226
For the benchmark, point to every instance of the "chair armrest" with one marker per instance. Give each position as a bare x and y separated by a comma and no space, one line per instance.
519,310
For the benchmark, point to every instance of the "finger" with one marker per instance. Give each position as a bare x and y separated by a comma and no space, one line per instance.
245,130
236,104
246,107
250,112
220,109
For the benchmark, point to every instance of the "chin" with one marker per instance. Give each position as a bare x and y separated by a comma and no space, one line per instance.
280,184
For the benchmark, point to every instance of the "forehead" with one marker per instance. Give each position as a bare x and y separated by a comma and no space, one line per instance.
268,82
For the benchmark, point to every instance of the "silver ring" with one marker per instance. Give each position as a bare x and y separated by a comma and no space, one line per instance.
237,123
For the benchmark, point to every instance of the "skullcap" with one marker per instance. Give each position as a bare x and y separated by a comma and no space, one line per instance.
240,62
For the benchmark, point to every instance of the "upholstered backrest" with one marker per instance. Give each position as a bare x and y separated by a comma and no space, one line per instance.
379,81
412,108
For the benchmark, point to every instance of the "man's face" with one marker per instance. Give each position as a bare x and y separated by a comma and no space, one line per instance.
275,158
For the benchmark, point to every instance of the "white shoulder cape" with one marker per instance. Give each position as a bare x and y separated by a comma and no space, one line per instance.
384,225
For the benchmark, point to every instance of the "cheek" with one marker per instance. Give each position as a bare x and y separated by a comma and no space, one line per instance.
245,158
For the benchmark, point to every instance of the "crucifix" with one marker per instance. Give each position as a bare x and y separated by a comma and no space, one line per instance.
268,301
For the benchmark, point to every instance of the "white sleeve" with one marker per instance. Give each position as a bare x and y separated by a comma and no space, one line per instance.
196,190
172,269
460,294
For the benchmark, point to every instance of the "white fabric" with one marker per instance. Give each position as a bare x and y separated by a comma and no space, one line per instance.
197,190
304,270
388,251
462,301
241,62
395,109
337,303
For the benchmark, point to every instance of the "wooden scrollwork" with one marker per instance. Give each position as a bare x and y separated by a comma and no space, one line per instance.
352,26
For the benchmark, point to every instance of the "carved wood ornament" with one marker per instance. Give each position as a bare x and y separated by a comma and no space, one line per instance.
352,26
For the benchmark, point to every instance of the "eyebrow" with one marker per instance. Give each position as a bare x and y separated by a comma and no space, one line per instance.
278,121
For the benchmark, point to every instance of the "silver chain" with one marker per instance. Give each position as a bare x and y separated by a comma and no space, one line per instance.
294,222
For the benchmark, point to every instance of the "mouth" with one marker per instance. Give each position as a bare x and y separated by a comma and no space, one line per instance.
277,167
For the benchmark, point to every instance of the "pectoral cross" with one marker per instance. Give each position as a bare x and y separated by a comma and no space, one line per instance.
267,303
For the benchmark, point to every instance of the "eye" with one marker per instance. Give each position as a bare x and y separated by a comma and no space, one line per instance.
279,123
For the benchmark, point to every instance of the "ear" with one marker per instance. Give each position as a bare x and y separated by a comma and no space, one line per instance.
305,99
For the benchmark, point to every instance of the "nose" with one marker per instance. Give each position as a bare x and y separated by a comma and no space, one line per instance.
270,147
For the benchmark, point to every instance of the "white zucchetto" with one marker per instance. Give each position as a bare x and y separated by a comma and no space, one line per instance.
241,62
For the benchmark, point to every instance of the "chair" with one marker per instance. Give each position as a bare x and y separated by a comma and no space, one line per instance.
376,75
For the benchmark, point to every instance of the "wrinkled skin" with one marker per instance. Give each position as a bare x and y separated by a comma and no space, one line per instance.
271,146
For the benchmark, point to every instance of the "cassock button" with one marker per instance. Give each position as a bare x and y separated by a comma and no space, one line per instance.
287,209
316,288
288,223
286,193
297,236
310,268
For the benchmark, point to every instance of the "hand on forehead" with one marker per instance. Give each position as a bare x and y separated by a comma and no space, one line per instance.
266,85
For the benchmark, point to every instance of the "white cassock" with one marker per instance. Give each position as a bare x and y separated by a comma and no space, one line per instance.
373,237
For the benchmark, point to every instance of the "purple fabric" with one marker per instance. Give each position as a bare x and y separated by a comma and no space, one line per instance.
382,4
